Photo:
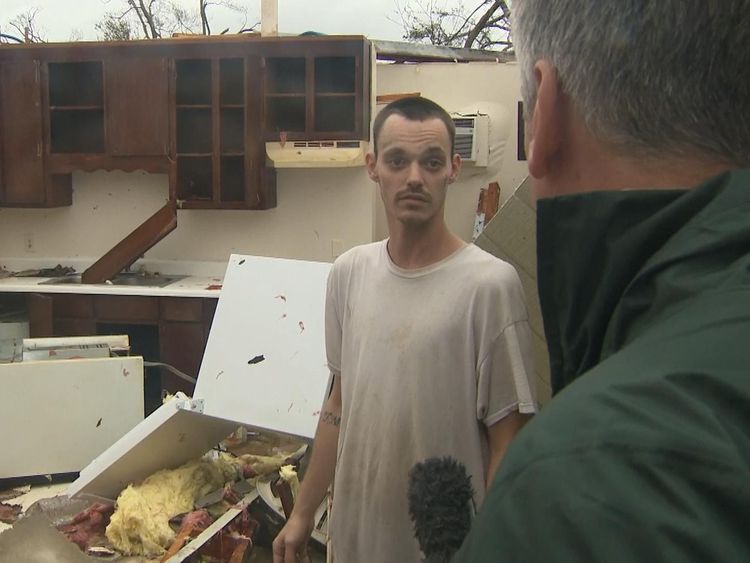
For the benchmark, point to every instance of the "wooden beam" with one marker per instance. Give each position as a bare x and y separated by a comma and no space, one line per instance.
388,98
133,246
415,52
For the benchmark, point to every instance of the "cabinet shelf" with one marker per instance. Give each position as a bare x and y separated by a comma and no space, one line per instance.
194,127
232,182
193,82
285,113
319,94
334,94
232,134
211,130
301,95
194,177
335,74
335,113
285,75
75,108
76,131
75,83
231,82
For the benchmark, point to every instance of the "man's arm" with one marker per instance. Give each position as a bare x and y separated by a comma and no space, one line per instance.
499,437
292,539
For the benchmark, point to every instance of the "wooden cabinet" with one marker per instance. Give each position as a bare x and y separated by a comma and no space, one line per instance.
318,91
75,107
23,178
23,172
219,162
116,106
137,106
172,330
199,110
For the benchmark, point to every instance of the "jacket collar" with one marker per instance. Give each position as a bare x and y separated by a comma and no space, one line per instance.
608,262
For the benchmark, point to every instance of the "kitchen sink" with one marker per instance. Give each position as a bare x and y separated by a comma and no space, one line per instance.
126,278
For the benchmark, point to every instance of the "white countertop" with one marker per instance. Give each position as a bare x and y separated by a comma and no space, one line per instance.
191,286
203,279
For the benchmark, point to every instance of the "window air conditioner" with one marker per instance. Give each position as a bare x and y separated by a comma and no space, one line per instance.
472,138
316,154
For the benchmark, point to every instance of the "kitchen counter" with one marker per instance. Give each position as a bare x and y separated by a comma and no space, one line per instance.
190,286
202,279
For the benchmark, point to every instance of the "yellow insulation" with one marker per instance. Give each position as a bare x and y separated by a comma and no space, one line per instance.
140,524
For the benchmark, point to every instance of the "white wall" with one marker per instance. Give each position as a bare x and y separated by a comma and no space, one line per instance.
316,209
320,211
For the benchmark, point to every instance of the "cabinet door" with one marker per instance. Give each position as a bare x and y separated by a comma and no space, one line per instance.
181,345
317,91
137,106
23,170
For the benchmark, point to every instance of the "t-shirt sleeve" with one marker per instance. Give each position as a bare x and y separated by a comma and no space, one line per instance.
506,375
333,325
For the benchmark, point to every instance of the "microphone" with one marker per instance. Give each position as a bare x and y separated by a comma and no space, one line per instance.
441,506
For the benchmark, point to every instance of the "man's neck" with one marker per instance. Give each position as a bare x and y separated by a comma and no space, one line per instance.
586,164
414,249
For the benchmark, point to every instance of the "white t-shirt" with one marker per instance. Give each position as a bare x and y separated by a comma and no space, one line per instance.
426,358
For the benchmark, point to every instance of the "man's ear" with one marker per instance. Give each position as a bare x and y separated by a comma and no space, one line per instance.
370,160
455,168
546,130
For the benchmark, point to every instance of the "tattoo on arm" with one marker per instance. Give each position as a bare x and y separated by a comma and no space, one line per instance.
331,418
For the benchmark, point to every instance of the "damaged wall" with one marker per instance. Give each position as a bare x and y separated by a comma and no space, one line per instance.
320,212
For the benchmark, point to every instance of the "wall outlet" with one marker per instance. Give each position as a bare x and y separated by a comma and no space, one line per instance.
28,243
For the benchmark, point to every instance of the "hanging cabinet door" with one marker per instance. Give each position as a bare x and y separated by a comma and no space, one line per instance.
23,170
137,106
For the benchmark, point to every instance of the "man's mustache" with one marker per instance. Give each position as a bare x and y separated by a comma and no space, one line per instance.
412,193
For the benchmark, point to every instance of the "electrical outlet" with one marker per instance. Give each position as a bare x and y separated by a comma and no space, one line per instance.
28,243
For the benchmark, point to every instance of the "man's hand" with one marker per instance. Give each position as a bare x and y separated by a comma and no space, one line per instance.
290,546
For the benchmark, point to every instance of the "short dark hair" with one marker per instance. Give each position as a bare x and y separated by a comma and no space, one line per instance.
413,108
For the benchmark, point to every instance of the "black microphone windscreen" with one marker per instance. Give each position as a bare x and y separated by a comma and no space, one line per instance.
440,505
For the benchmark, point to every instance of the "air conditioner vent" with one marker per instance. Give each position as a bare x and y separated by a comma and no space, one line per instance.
464,144
472,139
467,122
317,154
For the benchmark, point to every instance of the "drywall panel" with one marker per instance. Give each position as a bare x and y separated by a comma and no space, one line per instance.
58,415
170,436
265,362
511,236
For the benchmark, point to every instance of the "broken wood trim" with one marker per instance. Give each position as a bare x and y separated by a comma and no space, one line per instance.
133,246
388,98
214,528
401,52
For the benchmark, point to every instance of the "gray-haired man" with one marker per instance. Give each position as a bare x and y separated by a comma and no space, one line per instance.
639,129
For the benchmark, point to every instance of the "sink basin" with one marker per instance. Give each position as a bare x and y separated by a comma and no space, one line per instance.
127,278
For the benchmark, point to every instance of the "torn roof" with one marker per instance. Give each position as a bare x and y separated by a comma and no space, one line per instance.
402,52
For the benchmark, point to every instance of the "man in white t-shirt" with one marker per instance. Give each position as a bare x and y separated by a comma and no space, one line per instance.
429,347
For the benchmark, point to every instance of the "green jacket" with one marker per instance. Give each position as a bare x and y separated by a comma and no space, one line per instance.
644,456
